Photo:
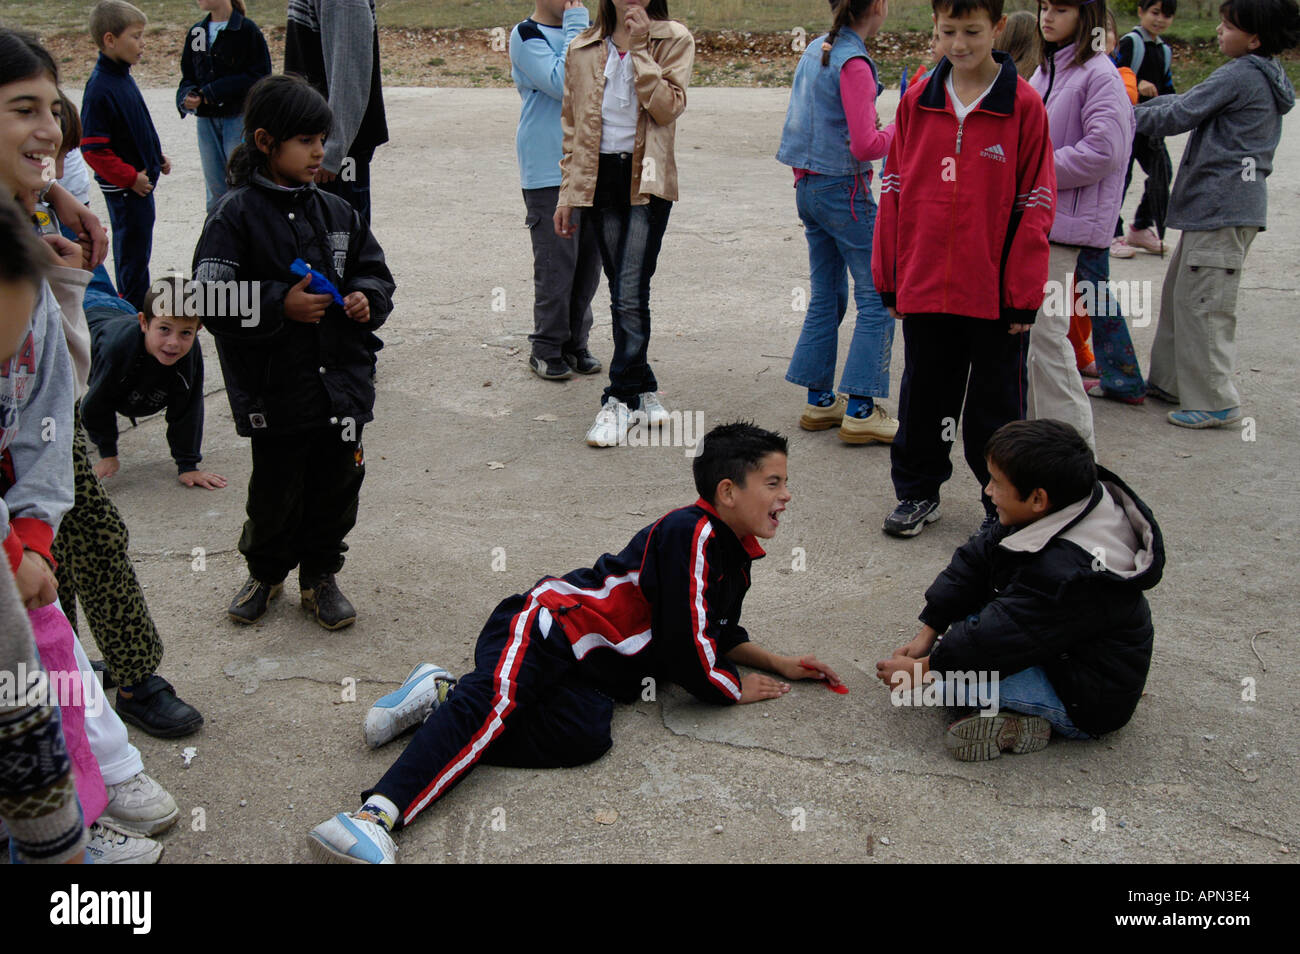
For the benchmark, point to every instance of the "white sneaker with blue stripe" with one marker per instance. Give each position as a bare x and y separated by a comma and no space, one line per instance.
422,691
347,839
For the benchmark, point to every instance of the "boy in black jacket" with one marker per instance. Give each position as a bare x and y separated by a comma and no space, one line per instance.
550,663
143,363
1049,603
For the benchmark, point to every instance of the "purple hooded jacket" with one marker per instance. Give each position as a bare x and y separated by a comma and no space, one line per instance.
1091,121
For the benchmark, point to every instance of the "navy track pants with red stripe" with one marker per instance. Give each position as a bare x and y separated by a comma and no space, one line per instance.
526,705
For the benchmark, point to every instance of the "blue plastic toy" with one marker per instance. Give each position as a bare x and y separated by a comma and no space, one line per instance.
319,284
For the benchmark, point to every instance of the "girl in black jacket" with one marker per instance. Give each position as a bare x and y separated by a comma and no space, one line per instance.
223,56
297,364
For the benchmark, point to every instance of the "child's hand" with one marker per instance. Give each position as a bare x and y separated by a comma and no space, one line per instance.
323,176
572,4
64,251
301,305
37,586
756,687
166,167
1147,88
192,101
202,478
564,221
1016,328
637,22
893,313
899,672
920,645
808,667
106,467
356,306
91,234
142,184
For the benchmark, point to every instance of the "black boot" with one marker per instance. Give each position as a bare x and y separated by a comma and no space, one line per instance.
249,604
155,707
321,597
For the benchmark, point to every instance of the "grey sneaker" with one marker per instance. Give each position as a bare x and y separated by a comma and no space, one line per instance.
910,517
111,844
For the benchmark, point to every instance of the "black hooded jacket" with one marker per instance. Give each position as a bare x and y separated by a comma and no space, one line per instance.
1065,593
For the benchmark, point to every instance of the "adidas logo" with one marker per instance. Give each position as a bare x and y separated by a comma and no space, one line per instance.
994,152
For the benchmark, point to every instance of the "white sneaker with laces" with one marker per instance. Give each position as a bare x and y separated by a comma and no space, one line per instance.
408,705
349,839
610,429
110,844
141,806
656,414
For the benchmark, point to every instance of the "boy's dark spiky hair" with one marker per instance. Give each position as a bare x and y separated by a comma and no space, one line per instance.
1047,454
962,8
730,452
1275,22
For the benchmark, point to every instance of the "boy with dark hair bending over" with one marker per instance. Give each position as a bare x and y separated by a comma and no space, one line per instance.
550,663
1050,601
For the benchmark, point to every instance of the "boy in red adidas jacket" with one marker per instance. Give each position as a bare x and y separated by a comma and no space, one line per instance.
960,253
550,663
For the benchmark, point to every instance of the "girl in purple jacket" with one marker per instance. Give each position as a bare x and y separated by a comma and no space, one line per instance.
1088,111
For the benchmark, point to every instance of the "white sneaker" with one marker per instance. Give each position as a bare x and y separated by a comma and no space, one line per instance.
611,424
1121,249
655,413
141,806
345,838
408,705
110,844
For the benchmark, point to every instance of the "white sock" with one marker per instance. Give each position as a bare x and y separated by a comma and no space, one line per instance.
384,808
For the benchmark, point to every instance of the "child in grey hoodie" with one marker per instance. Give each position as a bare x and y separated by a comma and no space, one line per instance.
1219,202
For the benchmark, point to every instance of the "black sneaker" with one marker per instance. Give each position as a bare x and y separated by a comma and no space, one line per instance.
249,604
584,362
549,369
990,522
155,707
910,517
321,598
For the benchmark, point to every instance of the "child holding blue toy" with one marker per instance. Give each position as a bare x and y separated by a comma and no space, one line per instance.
298,369
830,138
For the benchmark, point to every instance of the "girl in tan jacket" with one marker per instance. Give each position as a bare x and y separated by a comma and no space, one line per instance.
624,87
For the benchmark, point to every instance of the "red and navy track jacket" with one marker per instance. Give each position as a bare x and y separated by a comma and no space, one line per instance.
667,606
966,208
118,138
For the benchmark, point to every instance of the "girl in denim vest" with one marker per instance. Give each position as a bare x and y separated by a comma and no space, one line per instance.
831,135
624,87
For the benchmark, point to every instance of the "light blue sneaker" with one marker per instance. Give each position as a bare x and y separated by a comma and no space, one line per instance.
423,691
347,839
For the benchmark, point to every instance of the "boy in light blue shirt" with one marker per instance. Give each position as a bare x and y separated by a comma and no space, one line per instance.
566,271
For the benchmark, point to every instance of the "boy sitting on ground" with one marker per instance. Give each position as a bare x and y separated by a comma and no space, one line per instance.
551,662
1050,601
143,363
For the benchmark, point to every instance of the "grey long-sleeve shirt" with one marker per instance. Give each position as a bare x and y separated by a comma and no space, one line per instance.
1236,121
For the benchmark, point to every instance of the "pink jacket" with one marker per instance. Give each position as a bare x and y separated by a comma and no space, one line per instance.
1091,121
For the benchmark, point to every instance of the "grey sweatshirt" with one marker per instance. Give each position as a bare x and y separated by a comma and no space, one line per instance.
1236,122
36,396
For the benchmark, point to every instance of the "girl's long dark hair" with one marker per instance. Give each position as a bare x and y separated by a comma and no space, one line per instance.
22,57
607,16
285,106
846,14
1089,33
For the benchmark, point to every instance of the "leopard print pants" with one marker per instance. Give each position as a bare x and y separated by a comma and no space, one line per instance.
90,549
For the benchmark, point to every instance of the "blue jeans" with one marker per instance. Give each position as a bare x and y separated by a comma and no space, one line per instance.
131,217
1030,692
1117,363
218,137
629,237
839,216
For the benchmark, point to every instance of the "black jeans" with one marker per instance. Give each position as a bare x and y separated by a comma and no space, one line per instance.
954,367
302,502
132,218
629,237
1148,152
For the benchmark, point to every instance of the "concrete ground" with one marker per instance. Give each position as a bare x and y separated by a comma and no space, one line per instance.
479,483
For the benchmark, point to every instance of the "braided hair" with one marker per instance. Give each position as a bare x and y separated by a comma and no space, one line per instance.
847,13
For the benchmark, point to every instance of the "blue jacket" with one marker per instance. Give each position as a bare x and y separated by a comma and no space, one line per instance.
537,54
117,127
816,133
